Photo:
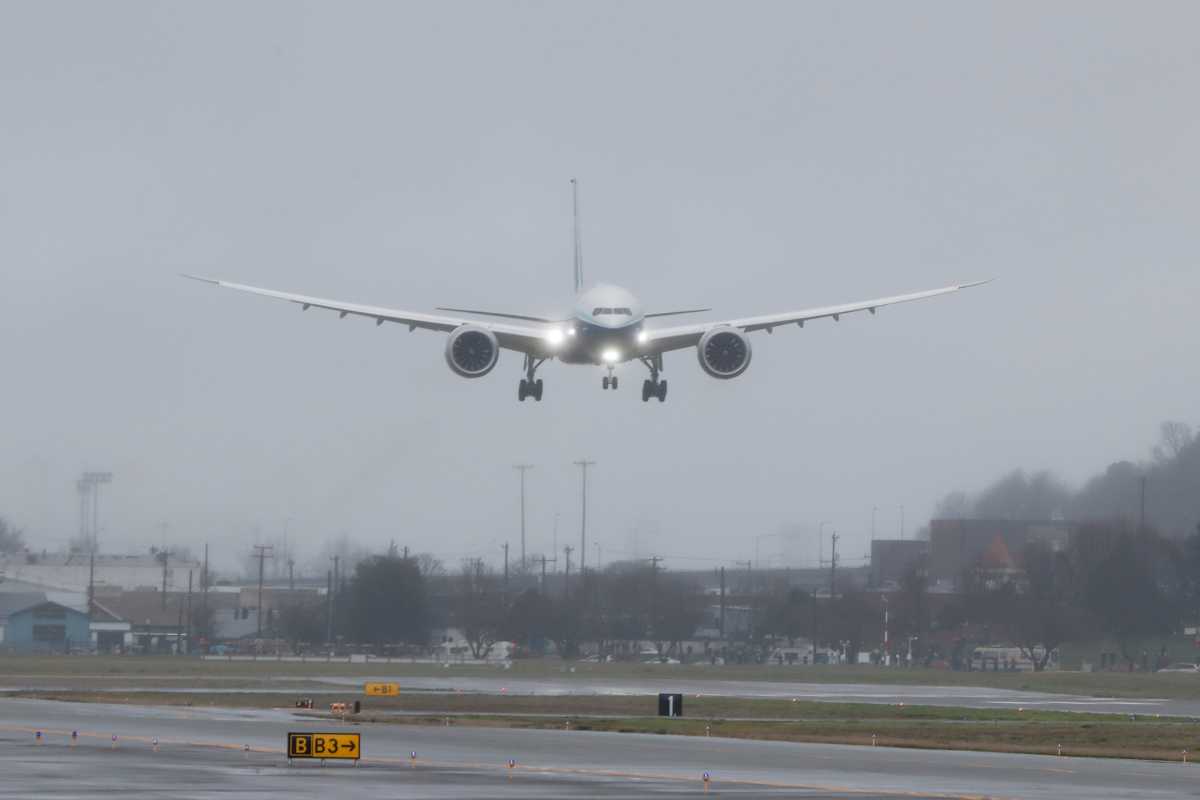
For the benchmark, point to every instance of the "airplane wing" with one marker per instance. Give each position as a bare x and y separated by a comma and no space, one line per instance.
662,340
524,339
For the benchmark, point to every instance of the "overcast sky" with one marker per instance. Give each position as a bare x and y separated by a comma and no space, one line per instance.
754,157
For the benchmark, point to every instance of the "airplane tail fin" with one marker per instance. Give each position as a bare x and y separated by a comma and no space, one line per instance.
578,241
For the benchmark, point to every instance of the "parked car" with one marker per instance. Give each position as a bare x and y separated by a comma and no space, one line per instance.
1182,666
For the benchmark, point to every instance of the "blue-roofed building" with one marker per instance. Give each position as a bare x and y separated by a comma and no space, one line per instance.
29,623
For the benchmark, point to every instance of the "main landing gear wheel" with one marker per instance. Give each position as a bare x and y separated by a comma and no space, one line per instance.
654,389
604,382
529,389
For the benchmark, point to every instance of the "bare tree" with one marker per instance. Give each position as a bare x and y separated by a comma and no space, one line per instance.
1176,436
479,608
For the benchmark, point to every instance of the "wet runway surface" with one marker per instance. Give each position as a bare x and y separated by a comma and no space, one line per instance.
201,755
569,684
960,696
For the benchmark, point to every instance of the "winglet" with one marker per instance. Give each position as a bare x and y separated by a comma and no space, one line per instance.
213,281
975,283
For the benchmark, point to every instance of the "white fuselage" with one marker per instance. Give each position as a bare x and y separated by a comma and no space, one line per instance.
604,328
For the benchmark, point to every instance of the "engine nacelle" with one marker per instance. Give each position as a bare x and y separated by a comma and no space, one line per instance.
472,351
724,352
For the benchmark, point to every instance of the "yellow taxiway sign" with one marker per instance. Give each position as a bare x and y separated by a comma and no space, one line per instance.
381,689
324,745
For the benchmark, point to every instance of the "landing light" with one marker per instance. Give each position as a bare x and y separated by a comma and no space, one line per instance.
611,355
554,337
642,337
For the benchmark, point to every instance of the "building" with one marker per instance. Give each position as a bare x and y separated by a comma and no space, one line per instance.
76,571
892,558
997,545
29,623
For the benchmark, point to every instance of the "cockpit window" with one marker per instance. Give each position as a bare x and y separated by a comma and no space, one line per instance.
598,311
624,311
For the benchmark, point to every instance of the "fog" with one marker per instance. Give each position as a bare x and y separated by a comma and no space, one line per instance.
749,157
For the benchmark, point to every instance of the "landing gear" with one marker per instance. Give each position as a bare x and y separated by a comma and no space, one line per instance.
528,387
653,387
609,382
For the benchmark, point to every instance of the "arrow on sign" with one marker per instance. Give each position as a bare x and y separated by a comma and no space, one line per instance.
350,745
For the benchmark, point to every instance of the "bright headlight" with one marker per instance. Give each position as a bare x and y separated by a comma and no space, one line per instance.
642,337
554,337
611,355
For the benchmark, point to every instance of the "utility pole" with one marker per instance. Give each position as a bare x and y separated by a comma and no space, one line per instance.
901,522
721,620
91,584
291,574
1142,516
505,546
189,613
263,551
654,593
165,557
567,578
333,590
523,468
583,465
204,593
874,511
329,607
599,556
833,562
887,646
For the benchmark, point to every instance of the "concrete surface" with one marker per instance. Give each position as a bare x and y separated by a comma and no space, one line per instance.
201,756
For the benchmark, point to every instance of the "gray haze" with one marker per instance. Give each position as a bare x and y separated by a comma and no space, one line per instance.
752,157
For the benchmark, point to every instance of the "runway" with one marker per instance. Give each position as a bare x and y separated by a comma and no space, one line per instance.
201,755
955,696
571,684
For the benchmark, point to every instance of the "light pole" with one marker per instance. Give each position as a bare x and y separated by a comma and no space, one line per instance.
93,480
874,511
583,465
522,468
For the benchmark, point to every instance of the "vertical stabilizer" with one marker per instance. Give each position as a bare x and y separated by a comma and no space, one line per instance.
578,242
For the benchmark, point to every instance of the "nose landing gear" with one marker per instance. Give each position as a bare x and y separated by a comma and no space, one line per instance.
609,381
528,387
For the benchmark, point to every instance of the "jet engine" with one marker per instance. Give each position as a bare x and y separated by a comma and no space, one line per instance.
724,352
472,351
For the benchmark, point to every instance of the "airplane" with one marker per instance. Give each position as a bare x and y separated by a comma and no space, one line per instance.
607,327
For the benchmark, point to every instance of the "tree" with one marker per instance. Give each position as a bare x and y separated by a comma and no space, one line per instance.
788,616
849,620
12,539
1123,596
678,609
479,609
1045,612
388,602
302,622
529,619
